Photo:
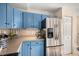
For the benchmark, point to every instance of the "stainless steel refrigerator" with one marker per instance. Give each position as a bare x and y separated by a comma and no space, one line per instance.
53,37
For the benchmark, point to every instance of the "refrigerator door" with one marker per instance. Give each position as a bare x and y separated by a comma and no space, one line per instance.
53,51
50,51
50,42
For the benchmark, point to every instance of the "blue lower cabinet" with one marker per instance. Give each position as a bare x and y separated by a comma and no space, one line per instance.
37,49
32,48
26,48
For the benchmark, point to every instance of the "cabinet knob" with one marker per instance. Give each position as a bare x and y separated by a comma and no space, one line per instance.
13,24
7,23
28,44
36,43
31,48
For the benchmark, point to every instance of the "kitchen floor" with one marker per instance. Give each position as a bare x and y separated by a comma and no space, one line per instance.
71,54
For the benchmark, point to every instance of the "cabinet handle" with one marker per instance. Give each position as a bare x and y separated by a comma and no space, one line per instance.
28,44
36,43
5,23
31,48
13,24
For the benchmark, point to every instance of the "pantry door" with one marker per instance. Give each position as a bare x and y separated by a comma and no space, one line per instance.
67,34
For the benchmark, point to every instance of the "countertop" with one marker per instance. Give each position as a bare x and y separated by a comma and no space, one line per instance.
3,51
14,46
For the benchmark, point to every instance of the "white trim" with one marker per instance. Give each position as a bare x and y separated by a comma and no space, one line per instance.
19,47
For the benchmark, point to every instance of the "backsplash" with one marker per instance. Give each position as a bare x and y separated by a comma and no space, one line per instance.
29,33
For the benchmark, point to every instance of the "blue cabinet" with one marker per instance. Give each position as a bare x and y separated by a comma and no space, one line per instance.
43,22
9,17
37,48
32,48
17,23
3,15
37,20
28,20
13,18
32,20
26,48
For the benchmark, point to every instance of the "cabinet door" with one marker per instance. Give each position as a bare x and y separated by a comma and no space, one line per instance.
17,19
2,15
37,49
9,17
37,20
43,23
28,20
26,48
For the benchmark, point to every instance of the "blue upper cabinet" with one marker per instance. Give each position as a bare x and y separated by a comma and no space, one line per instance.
43,22
32,20
3,15
9,16
13,18
37,20
26,48
28,20
17,23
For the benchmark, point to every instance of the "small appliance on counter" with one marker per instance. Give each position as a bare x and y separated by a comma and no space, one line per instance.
3,40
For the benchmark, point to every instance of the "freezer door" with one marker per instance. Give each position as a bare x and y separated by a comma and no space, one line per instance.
53,51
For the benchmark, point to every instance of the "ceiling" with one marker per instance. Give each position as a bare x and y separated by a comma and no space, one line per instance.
45,6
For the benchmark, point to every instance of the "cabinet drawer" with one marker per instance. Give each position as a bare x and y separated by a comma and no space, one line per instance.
26,43
37,43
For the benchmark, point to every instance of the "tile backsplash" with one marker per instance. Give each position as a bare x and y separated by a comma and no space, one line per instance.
29,33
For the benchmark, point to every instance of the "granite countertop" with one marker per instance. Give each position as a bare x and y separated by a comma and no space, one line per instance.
13,46
5,51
